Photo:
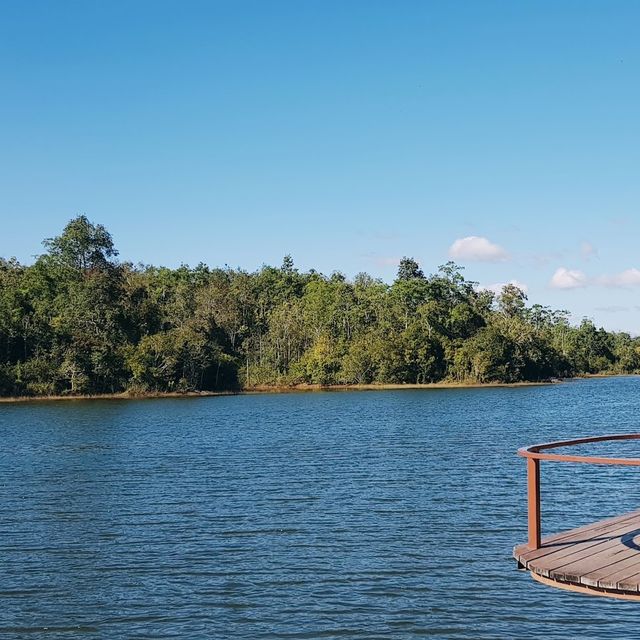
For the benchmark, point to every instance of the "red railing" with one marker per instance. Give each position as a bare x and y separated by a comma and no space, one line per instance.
533,455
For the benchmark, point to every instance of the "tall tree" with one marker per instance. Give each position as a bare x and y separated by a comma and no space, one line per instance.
77,321
408,269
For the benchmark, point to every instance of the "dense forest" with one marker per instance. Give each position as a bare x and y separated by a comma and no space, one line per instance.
78,321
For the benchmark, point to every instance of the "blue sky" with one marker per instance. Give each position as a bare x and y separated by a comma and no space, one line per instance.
348,134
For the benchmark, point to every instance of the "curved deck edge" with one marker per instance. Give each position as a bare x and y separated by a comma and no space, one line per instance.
585,590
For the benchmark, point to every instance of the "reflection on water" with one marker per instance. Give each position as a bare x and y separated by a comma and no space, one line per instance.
330,515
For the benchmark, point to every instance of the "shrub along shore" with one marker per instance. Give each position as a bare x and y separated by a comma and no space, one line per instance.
77,322
265,389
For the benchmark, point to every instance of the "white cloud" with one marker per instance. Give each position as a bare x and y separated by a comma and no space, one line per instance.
627,278
572,279
499,286
477,249
568,279
588,251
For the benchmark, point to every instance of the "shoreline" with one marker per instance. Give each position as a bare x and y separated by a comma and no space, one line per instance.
388,386
303,388
273,389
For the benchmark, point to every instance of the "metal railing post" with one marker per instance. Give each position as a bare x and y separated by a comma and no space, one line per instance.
533,500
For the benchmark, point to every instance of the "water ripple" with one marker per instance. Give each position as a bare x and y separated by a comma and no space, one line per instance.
350,515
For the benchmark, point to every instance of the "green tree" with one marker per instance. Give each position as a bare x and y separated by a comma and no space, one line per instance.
409,269
82,246
77,321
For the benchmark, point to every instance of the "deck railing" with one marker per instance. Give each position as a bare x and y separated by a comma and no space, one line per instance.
534,454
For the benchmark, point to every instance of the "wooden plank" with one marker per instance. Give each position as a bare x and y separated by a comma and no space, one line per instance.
623,575
560,554
590,591
629,583
601,557
589,568
600,545
556,542
578,544
620,561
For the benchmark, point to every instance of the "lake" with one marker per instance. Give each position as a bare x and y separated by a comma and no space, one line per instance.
386,514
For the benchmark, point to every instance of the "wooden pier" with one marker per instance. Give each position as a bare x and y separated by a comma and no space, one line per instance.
602,558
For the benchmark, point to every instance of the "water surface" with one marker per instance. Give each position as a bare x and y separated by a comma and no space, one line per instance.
388,514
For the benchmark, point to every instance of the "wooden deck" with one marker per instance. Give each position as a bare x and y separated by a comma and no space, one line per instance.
602,558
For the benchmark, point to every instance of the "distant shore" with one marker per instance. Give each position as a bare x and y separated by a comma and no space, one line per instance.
124,395
388,387
259,389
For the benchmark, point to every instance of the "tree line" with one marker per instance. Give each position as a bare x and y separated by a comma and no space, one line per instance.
78,321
